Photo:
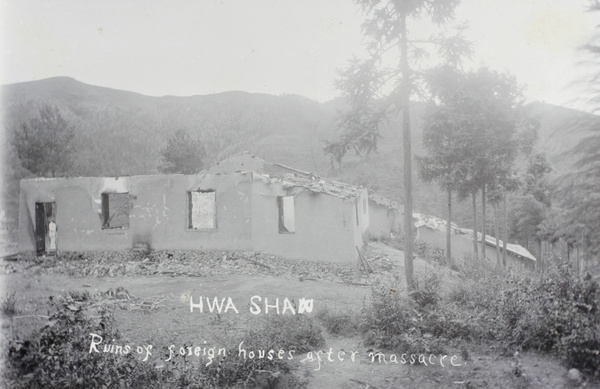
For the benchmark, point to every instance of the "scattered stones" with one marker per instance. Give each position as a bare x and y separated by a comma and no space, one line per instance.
204,264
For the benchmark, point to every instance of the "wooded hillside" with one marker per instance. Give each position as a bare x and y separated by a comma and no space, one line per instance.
121,133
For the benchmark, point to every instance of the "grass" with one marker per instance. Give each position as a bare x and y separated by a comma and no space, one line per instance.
341,323
556,314
58,354
8,304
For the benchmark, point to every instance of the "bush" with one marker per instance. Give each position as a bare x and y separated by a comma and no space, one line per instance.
8,305
421,248
59,354
422,323
299,333
556,313
344,323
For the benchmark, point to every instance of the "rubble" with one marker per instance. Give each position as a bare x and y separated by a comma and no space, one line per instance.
192,264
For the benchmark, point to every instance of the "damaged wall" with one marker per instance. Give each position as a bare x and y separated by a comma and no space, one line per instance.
158,212
165,212
385,216
462,248
382,220
325,225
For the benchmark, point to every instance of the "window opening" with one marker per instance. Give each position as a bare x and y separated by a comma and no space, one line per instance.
285,204
115,210
202,212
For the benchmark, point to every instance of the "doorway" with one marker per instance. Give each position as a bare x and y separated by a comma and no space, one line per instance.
46,237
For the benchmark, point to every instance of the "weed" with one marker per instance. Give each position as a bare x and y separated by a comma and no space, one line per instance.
557,313
345,323
8,304
422,248
58,355
413,325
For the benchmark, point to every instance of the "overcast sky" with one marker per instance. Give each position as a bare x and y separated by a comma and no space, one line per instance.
160,47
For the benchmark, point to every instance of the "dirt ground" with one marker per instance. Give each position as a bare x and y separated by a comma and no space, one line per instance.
156,310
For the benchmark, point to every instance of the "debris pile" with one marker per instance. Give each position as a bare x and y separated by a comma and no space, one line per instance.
112,298
193,264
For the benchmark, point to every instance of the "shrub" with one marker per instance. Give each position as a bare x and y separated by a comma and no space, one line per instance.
422,323
8,304
422,248
427,291
58,354
299,333
339,322
556,313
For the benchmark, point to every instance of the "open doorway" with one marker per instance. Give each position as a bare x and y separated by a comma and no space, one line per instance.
45,228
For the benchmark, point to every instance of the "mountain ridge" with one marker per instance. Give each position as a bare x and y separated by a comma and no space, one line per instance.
121,132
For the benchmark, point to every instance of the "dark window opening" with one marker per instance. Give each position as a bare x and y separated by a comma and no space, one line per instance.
285,206
115,210
202,210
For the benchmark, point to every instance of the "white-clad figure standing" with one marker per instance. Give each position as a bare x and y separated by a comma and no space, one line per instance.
51,236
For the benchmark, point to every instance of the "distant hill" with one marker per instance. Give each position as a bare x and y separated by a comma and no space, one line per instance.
121,133
560,130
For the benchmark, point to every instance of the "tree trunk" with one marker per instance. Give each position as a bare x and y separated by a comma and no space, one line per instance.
582,258
449,231
540,257
497,236
475,251
505,233
405,104
577,260
483,225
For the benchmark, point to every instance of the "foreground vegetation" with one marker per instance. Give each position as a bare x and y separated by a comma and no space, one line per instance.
61,354
557,314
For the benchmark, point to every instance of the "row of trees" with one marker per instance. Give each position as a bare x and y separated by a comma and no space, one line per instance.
474,126
474,129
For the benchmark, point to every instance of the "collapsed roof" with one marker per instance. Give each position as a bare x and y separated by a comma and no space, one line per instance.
440,225
314,184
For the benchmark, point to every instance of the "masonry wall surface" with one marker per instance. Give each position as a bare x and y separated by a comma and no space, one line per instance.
158,209
462,248
325,226
247,216
381,220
